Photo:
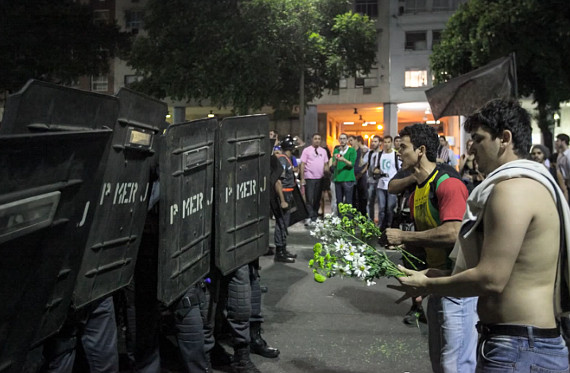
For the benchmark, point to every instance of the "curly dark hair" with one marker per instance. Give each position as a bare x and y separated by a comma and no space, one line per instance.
422,134
499,115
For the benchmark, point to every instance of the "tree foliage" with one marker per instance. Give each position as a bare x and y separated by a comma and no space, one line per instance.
250,53
538,31
54,40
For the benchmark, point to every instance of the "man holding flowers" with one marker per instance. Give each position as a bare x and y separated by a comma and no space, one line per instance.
512,250
437,206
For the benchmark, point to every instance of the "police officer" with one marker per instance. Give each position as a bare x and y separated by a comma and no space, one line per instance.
284,189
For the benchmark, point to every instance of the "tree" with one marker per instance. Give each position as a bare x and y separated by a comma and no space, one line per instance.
53,40
250,53
538,31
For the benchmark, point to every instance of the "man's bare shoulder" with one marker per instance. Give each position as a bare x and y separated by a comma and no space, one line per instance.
519,194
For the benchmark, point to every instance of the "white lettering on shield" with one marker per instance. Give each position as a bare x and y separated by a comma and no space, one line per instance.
192,205
125,193
246,189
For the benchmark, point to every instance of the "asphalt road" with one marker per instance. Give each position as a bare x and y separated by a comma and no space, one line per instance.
337,326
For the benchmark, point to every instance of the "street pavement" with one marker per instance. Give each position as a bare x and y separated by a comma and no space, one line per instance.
337,326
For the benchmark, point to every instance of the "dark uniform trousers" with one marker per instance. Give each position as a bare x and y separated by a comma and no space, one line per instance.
95,326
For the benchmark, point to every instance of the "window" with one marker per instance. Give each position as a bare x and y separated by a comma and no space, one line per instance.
101,16
131,79
435,37
415,6
416,40
368,7
100,83
366,80
134,19
415,78
441,5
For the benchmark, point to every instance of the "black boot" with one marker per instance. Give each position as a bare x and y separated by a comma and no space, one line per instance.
219,357
289,254
258,345
280,256
242,362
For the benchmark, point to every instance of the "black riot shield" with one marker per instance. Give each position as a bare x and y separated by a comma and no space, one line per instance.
186,206
120,211
48,184
41,106
46,107
242,195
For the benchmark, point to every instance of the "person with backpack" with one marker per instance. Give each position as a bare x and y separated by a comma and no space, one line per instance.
437,206
387,165
373,170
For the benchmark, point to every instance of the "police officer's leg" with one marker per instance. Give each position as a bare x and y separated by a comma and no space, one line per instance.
258,345
59,350
238,313
190,329
99,338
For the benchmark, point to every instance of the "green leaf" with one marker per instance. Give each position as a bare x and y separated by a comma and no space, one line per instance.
319,278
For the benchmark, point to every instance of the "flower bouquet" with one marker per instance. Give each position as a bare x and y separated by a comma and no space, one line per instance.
343,248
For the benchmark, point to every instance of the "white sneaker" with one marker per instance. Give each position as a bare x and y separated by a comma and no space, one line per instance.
307,222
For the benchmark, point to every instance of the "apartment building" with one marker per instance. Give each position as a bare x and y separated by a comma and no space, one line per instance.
392,95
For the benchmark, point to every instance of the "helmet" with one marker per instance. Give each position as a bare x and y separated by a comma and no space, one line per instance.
287,143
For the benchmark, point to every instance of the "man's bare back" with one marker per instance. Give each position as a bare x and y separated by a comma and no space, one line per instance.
521,216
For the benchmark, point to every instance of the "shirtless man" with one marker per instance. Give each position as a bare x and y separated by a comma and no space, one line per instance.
507,249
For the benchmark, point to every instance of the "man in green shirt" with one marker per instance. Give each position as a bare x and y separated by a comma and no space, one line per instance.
343,162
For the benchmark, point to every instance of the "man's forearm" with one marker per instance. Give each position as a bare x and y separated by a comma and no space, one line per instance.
302,171
443,236
468,283
397,186
279,190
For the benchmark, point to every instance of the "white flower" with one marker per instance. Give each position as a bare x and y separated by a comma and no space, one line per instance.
340,245
329,216
361,270
358,260
370,283
335,220
314,233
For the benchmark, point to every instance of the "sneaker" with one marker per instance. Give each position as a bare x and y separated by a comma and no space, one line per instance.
307,222
413,315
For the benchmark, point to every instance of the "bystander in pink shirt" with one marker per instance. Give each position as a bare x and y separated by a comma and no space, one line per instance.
314,159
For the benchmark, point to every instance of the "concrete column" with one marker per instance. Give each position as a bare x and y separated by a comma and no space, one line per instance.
179,114
311,124
390,119
463,135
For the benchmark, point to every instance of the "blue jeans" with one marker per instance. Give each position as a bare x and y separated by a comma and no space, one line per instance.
452,336
386,205
502,353
371,200
343,191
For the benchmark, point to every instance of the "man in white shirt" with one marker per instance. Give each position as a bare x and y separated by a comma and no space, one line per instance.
389,165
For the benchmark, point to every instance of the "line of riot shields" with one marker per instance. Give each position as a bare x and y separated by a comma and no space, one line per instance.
75,186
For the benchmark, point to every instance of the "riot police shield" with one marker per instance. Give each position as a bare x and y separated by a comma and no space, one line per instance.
46,107
242,195
120,211
48,184
41,106
186,205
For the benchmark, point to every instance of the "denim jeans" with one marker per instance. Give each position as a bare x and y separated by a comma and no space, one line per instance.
343,192
503,353
452,336
386,205
371,200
